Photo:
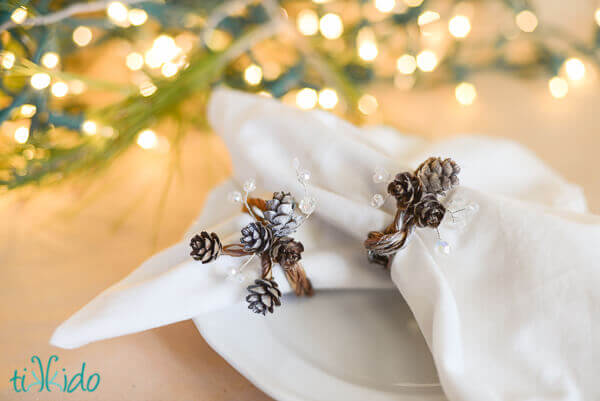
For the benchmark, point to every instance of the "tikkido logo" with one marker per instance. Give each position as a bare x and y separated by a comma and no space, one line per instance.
38,378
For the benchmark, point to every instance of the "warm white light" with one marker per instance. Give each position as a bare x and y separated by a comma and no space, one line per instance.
331,26
559,87
406,64
597,16
8,60
427,17
60,89
307,22
465,93
367,50
169,69
147,89
328,98
117,12
253,74
28,110
306,98
134,61
50,60
459,26
19,15
385,6
367,104
21,134
264,94
427,60
82,36
89,127
575,69
413,3
163,49
40,80
137,16
76,87
147,139
526,21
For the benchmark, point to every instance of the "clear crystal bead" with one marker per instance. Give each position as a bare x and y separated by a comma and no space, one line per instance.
442,247
308,204
234,197
381,175
249,185
377,201
296,163
234,271
304,176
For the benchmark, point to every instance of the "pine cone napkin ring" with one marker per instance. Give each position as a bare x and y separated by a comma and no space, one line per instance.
418,200
269,237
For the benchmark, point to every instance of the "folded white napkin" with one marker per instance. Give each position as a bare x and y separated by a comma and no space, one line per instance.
508,314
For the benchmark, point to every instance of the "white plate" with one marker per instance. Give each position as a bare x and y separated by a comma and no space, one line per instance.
339,345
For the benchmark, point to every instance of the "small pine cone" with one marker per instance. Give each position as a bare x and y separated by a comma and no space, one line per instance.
438,175
281,215
406,188
287,252
429,212
256,238
264,296
205,247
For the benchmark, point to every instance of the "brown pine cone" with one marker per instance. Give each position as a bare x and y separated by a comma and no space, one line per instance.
256,238
205,247
437,175
406,188
287,252
264,296
429,212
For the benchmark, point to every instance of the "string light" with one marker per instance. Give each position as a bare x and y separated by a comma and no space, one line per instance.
413,3
526,21
465,93
307,22
82,36
331,26
427,17
306,98
164,49
19,15
253,74
459,26
169,69
89,127
59,89
8,60
117,12
76,87
575,69
559,87
147,88
427,61
21,134
50,60
328,98
385,6
406,64
147,139
597,16
367,104
28,110
137,16
367,48
134,61
40,80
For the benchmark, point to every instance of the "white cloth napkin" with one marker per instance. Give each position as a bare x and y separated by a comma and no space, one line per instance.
509,314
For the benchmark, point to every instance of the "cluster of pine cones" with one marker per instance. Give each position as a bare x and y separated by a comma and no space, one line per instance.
269,238
417,197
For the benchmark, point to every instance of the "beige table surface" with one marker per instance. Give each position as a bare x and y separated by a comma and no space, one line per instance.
61,247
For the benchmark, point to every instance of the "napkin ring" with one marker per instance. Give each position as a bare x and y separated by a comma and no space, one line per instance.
269,238
418,196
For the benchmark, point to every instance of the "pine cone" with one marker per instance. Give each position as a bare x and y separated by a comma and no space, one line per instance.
205,247
287,252
281,216
256,238
264,296
406,188
437,175
429,212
